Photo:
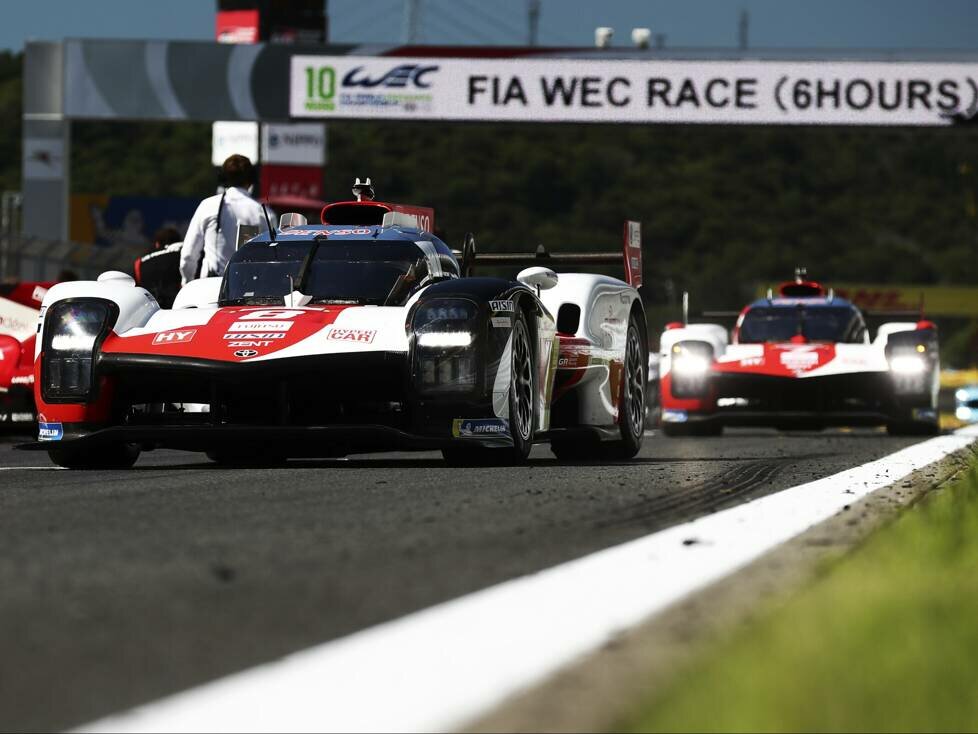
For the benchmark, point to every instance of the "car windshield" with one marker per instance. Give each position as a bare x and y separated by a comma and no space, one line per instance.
365,272
819,324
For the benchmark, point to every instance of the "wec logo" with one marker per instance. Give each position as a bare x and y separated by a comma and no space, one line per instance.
400,76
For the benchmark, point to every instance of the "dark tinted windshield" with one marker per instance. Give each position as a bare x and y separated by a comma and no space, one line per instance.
821,324
349,271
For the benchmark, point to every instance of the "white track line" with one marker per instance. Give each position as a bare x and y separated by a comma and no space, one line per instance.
437,668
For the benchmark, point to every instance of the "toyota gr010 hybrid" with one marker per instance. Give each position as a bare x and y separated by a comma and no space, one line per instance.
801,359
365,333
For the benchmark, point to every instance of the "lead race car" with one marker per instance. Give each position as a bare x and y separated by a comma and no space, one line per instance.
801,359
364,333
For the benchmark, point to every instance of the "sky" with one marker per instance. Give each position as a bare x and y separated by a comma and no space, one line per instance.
870,24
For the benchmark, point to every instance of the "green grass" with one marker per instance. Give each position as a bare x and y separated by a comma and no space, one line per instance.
885,640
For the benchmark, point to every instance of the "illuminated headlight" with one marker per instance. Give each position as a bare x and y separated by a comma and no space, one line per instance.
445,336
907,365
691,362
445,339
690,365
71,333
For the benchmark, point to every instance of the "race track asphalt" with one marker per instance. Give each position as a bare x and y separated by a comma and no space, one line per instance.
119,587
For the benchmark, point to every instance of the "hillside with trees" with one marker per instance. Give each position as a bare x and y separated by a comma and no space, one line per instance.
723,207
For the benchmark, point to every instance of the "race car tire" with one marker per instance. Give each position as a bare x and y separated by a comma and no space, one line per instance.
700,430
113,456
631,411
245,459
522,408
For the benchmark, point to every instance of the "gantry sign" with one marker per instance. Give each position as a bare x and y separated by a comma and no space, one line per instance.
632,91
160,80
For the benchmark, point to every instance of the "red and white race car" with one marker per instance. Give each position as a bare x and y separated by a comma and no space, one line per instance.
799,359
20,305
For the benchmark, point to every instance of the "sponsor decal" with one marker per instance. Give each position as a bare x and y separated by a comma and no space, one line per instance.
256,335
327,232
269,313
923,414
50,432
363,336
799,360
22,380
506,306
376,85
21,417
477,427
752,362
260,326
245,353
174,337
675,416
251,343
501,322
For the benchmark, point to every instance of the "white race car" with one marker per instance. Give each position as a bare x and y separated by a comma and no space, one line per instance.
363,333
800,359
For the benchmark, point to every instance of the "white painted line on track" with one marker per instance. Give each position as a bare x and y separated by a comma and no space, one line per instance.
32,468
435,669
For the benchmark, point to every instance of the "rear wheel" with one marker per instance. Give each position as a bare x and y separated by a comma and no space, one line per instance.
113,456
522,407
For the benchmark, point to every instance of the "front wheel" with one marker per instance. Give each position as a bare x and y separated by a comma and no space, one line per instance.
113,456
522,407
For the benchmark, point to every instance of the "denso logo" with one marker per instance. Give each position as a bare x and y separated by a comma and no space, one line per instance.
400,76
174,337
364,336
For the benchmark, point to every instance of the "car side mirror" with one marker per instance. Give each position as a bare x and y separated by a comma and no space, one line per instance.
538,277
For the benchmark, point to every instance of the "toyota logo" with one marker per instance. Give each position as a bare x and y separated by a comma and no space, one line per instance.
245,353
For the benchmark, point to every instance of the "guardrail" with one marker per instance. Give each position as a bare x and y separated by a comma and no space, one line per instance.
30,258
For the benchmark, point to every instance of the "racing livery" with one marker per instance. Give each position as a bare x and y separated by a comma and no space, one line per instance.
19,309
801,359
363,333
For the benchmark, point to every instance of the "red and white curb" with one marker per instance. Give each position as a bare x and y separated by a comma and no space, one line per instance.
435,669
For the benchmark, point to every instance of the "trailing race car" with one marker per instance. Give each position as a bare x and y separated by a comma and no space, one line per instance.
802,359
19,309
365,333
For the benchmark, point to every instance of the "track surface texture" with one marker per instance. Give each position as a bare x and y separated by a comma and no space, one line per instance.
119,587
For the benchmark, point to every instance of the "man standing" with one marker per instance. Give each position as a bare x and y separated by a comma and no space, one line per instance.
215,223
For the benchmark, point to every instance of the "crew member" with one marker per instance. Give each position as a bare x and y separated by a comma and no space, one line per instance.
158,271
214,226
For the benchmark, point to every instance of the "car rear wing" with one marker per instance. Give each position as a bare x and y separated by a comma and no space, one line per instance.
630,254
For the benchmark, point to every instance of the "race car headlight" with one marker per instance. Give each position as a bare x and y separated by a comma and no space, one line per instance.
72,331
690,367
908,365
445,333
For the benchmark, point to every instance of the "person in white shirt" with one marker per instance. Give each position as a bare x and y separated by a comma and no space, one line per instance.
214,226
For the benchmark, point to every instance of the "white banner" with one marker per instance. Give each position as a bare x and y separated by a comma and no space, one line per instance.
589,90
300,144
234,138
